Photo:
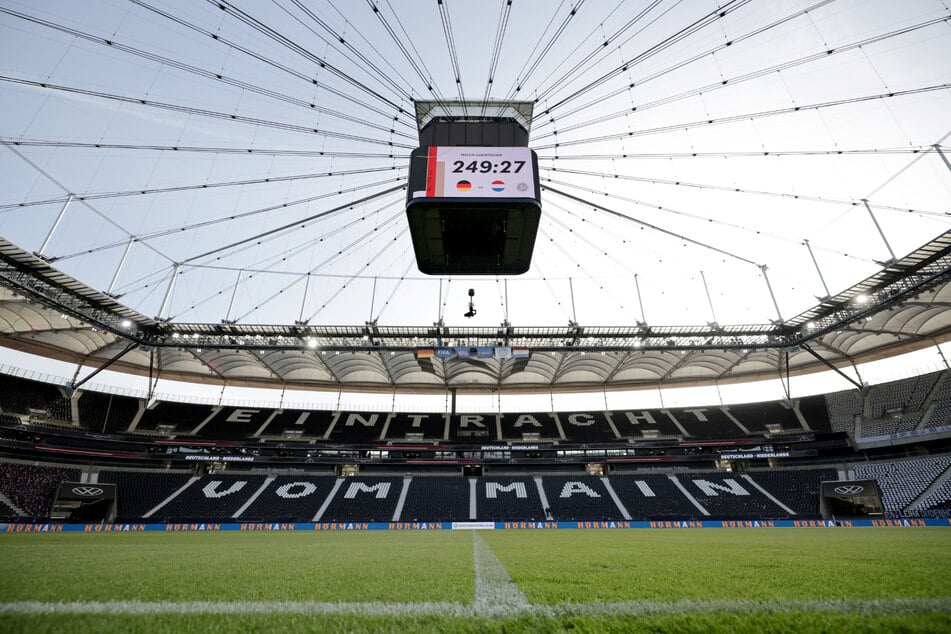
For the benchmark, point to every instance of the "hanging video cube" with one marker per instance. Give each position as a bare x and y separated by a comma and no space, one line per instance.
473,210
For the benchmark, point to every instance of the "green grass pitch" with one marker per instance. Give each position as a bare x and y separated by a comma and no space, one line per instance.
781,580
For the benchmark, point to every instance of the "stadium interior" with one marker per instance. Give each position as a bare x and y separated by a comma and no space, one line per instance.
230,225
187,462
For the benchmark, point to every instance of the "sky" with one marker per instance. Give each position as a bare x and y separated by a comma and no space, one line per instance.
702,144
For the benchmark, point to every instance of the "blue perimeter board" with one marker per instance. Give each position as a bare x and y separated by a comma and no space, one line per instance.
442,526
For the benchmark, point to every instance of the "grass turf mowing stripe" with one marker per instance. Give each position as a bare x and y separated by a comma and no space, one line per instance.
627,608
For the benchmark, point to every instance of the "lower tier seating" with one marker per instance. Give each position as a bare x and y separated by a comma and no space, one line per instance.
157,495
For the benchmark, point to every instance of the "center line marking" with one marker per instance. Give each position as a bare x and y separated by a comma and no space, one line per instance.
495,592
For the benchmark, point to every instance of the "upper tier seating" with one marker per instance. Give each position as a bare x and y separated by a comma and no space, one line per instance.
907,395
941,413
843,408
115,414
755,418
33,398
101,413
901,406
873,428
181,417
904,480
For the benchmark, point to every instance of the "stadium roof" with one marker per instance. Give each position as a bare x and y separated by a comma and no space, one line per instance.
902,307
229,178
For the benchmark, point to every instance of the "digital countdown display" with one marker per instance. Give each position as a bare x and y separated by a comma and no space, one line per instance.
476,172
473,210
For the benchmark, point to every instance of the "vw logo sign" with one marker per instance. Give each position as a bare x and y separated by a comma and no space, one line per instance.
88,492
849,490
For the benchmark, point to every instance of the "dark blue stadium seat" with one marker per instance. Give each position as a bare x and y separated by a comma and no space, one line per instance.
138,492
304,424
437,498
732,495
183,417
364,499
587,427
502,498
579,497
32,488
41,400
474,428
542,426
707,422
796,488
232,423
212,497
357,427
755,417
653,496
101,413
638,424
293,498
424,427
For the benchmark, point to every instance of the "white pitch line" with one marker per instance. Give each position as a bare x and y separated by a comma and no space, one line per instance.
230,607
628,608
495,592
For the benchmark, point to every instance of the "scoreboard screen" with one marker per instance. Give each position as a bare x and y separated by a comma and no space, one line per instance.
474,172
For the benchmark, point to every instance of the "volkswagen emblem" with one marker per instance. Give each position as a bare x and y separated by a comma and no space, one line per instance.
88,492
852,489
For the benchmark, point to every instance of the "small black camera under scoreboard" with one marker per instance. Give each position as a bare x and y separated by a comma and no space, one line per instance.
473,210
